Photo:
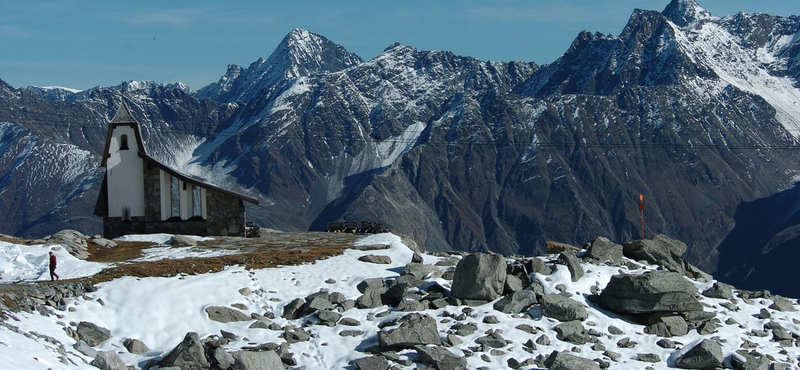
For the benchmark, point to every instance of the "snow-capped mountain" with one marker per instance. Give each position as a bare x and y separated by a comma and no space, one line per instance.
697,113
301,53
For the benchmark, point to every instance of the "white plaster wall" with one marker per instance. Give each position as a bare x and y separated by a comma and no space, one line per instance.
125,175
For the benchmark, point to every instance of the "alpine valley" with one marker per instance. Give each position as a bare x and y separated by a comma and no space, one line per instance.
699,114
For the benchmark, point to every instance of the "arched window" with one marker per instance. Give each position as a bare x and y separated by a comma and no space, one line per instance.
123,142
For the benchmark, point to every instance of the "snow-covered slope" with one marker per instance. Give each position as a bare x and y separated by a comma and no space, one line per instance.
159,311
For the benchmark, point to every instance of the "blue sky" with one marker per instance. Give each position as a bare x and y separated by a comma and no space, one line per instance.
86,43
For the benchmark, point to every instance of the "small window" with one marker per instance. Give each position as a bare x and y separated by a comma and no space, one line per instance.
123,142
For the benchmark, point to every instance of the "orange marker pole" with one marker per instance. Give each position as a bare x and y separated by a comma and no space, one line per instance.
641,212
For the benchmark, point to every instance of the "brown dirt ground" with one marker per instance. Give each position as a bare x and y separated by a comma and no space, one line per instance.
255,257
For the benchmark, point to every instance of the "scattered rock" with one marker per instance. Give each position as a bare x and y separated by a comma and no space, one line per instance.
440,358
516,302
182,241
562,308
92,334
719,290
225,314
479,276
556,247
573,332
257,360
569,259
371,363
655,291
108,360
414,329
565,361
189,353
376,259
603,249
135,346
660,250
705,355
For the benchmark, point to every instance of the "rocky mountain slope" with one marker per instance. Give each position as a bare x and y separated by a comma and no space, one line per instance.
697,113
630,306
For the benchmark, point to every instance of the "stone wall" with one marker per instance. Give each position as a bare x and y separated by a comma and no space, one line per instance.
225,214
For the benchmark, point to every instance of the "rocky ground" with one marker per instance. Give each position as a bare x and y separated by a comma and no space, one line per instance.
388,305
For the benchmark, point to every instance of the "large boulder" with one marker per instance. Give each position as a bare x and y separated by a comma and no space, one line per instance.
562,308
257,360
516,302
92,334
660,249
189,353
569,259
440,358
604,250
108,360
414,329
225,314
705,355
655,291
73,241
565,361
479,276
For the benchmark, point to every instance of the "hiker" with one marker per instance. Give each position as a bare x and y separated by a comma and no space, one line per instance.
53,263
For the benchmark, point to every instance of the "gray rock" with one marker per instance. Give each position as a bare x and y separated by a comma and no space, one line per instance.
562,308
293,310
719,290
414,329
565,361
648,357
493,340
376,259
92,334
569,259
371,298
316,303
440,358
752,360
188,353
85,349
605,250
419,270
328,317
222,358
479,276
295,335
225,314
257,360
73,241
705,355
572,332
375,283
512,284
536,265
782,304
135,346
371,363
655,291
660,250
675,325
103,242
516,302
182,241
108,360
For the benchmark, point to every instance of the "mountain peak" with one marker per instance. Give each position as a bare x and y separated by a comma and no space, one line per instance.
685,13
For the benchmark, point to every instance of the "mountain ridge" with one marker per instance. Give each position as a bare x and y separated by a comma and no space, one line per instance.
473,155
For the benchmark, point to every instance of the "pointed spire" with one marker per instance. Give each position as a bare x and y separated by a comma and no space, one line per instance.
123,114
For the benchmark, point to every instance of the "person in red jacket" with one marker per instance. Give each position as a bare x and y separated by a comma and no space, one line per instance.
53,263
